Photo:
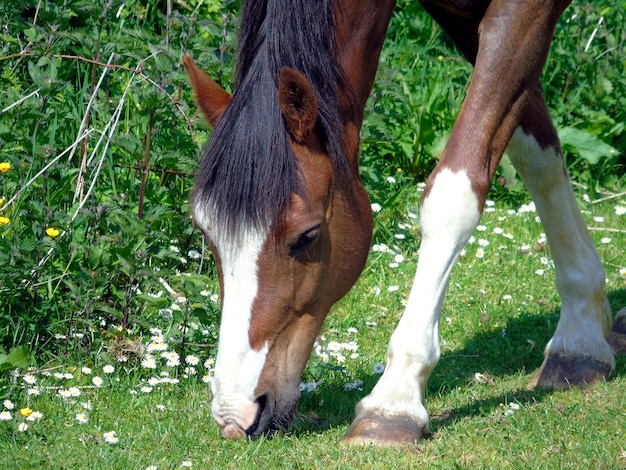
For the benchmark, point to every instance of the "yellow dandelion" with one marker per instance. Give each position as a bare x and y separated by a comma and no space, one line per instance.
52,232
4,220
5,166
26,412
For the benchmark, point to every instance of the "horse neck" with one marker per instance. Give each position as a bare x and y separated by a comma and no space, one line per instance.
360,32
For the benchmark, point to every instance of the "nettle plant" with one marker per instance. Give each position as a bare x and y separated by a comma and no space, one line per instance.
99,144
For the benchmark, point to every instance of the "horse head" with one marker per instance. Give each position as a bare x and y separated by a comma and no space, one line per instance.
279,276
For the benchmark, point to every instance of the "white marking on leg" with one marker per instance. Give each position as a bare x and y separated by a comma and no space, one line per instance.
237,366
448,217
585,314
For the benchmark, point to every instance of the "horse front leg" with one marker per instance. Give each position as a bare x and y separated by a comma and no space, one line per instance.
394,412
513,40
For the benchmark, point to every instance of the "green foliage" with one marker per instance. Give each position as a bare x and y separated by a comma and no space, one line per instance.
102,159
422,82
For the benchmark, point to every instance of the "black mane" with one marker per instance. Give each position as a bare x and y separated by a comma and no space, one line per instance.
248,171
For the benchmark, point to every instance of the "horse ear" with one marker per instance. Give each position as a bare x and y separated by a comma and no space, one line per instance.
298,103
210,97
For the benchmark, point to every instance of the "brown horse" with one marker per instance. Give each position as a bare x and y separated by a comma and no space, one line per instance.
279,198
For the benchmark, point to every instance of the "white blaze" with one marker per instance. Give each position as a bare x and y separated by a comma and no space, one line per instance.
238,367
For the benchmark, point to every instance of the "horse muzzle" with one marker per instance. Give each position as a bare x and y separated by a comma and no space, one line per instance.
254,419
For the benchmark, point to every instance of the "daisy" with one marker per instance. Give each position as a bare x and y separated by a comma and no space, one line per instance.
97,381
108,369
311,386
82,418
111,438
148,362
157,346
29,379
22,427
34,416
8,404
379,368
5,416
192,360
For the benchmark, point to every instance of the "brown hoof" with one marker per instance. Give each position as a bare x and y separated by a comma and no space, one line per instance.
382,431
617,337
563,372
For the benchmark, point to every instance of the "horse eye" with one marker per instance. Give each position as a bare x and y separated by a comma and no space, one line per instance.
306,239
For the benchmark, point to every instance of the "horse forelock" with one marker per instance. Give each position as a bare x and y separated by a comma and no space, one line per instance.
249,170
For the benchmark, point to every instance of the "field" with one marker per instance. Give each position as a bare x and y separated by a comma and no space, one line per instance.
100,264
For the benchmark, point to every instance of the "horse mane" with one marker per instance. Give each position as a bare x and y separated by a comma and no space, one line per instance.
248,171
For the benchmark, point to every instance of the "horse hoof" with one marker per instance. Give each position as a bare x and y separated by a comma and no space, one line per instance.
563,372
382,431
617,337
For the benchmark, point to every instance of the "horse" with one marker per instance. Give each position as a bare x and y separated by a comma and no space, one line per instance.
279,199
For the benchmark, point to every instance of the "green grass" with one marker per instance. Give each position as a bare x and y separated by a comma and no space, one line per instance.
498,316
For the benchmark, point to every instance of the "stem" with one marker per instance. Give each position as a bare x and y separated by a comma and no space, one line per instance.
146,160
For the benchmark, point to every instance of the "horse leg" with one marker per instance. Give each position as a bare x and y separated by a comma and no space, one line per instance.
513,40
617,337
578,353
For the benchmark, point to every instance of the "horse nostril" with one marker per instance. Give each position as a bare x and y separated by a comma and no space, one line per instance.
262,402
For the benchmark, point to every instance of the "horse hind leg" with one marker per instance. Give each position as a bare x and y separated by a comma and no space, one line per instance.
617,338
578,353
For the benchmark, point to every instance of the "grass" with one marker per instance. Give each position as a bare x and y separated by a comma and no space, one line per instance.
501,309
